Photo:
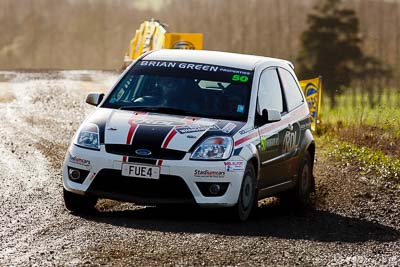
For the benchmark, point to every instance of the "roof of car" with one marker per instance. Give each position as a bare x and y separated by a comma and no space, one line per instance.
233,60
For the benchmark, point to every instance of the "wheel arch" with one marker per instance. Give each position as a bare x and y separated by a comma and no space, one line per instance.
255,163
250,154
310,148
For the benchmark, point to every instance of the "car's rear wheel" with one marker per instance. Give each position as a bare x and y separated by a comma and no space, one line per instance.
79,203
247,201
300,195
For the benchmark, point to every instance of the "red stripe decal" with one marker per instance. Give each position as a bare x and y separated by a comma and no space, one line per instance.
295,115
171,135
246,138
160,161
130,132
132,129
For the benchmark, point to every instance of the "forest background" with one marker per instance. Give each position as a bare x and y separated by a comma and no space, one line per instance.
95,34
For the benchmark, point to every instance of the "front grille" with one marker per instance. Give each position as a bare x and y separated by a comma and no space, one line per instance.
129,150
169,189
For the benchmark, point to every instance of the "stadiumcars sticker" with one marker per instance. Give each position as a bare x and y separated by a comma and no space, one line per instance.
79,161
208,173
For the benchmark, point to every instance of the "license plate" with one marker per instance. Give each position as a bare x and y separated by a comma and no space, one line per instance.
140,171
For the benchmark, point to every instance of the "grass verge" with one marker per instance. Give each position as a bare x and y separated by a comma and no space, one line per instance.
354,110
371,163
364,135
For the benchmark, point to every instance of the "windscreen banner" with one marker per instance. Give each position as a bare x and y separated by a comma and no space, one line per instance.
312,90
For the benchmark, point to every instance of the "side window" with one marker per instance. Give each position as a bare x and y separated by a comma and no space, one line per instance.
123,91
294,98
269,91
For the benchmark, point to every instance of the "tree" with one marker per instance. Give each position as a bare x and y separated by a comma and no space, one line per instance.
369,72
331,46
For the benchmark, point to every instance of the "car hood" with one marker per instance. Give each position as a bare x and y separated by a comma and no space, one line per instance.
153,131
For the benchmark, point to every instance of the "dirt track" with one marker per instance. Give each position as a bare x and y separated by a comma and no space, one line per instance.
356,220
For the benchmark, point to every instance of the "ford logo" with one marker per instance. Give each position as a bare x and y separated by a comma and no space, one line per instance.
143,152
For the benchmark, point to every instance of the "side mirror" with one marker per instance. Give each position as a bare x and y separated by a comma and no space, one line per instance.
94,98
270,115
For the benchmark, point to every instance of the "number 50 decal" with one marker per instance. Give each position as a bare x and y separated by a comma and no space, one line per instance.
239,78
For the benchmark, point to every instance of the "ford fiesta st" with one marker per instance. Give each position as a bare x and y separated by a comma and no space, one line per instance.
211,128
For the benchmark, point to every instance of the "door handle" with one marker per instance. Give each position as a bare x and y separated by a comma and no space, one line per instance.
290,127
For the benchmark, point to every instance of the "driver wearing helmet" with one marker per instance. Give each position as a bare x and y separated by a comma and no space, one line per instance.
171,91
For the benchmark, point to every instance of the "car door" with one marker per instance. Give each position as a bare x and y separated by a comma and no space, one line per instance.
291,134
270,96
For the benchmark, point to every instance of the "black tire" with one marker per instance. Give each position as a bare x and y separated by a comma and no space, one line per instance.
300,196
79,203
247,201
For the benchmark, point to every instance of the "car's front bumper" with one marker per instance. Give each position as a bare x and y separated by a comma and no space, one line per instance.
104,179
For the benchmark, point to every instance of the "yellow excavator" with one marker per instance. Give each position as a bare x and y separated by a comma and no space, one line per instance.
152,35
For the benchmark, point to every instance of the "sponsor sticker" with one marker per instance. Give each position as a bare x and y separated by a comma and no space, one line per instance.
268,143
79,161
155,121
179,65
240,108
242,132
208,173
186,130
305,125
229,127
263,143
272,142
289,141
195,129
241,75
234,166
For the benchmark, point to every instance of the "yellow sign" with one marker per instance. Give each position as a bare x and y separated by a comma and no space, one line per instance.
312,90
193,41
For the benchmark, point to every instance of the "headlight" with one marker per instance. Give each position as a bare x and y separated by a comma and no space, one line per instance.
88,136
214,148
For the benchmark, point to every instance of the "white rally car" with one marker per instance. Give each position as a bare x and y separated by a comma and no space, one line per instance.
181,126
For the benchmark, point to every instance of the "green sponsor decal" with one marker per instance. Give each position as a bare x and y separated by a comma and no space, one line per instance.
263,143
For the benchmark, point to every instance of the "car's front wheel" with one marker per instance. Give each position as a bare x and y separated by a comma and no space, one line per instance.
78,203
247,201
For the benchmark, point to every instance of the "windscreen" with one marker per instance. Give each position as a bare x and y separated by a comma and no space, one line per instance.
184,88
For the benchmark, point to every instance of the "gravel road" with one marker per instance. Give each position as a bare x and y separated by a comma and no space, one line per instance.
356,220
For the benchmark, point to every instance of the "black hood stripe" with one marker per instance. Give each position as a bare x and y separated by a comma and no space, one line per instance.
150,137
